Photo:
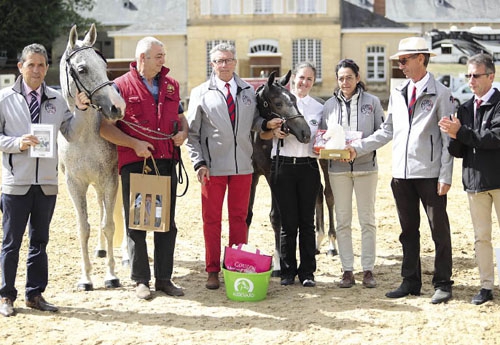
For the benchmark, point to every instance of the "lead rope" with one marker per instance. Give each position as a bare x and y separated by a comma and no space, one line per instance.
276,164
182,174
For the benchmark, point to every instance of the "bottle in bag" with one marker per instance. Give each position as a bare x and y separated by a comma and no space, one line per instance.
137,208
158,211
148,209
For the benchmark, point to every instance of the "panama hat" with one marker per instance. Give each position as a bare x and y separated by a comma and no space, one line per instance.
412,45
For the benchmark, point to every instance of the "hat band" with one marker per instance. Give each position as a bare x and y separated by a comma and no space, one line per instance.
415,50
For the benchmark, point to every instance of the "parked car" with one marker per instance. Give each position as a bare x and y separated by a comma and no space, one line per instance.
452,82
463,93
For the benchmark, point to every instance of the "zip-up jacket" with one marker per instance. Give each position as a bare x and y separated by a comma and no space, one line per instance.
143,110
20,171
479,148
212,141
419,150
370,116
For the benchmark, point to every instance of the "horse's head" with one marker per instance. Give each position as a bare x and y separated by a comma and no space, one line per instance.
275,100
83,69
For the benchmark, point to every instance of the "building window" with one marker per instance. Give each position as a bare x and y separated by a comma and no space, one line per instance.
210,45
220,7
308,50
375,63
264,47
306,6
263,7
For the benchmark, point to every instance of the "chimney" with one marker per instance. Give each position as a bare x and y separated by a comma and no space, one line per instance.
379,7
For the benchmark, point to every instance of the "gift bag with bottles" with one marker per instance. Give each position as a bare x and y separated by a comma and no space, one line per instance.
149,201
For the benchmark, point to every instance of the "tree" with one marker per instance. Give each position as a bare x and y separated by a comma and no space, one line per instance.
27,21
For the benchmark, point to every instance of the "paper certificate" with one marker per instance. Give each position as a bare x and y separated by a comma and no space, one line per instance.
47,141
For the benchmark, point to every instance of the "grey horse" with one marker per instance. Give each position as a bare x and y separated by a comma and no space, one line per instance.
91,160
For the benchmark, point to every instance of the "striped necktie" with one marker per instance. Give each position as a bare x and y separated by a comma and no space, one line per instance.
413,100
230,104
34,107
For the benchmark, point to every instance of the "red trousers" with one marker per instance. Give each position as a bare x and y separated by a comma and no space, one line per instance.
212,200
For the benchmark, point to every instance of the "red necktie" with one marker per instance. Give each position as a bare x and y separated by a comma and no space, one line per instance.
476,113
413,99
230,104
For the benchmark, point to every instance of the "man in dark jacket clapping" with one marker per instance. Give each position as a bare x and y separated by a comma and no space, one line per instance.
475,137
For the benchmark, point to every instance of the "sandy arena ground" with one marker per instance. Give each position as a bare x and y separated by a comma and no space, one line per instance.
326,314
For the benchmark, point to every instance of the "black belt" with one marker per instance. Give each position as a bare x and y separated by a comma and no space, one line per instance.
294,160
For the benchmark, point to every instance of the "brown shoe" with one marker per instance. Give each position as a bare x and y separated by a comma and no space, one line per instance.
368,280
39,303
213,281
347,280
169,287
6,307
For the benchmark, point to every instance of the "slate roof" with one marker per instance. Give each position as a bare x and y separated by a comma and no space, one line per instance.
141,16
479,12
460,11
354,16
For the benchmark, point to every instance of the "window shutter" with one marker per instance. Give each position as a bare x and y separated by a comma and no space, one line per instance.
248,6
277,7
320,6
204,7
235,6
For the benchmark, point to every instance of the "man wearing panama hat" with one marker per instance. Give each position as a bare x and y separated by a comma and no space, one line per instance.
421,166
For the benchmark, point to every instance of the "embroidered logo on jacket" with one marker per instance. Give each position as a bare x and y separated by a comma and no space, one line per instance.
426,105
366,109
246,100
170,89
50,108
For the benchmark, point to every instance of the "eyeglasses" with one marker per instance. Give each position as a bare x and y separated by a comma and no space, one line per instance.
475,76
220,62
347,79
403,61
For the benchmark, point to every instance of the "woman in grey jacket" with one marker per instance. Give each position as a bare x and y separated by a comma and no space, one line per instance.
356,111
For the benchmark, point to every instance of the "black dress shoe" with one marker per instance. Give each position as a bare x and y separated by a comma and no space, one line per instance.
39,303
402,291
484,295
287,281
441,296
169,287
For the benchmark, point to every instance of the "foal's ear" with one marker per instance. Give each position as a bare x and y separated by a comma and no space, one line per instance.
286,78
270,79
90,37
73,37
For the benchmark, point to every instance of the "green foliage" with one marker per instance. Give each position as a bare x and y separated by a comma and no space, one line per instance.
26,21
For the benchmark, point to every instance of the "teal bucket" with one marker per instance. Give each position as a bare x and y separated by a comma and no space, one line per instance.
249,287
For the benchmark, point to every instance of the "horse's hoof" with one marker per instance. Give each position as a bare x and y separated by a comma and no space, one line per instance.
100,253
275,273
332,252
126,263
112,283
85,287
